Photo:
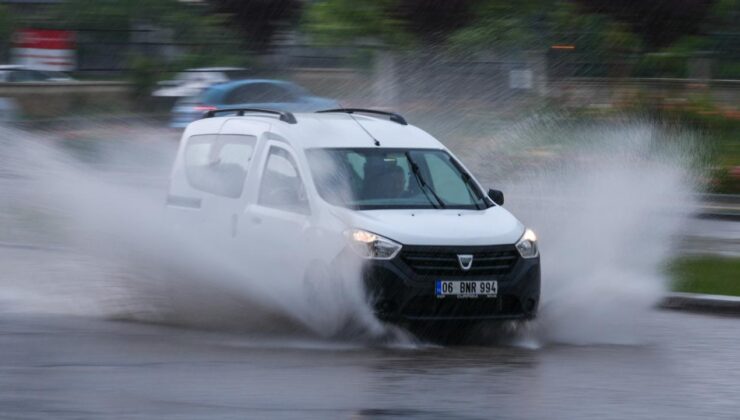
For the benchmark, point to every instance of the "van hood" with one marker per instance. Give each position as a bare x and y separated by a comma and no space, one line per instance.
494,226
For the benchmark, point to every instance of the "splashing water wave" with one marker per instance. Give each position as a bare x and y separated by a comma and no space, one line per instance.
605,199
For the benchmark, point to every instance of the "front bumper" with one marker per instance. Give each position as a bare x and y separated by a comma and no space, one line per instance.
400,292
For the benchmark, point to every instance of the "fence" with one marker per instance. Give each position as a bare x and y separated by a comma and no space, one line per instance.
45,100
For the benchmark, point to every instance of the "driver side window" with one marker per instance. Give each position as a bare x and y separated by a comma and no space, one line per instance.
281,186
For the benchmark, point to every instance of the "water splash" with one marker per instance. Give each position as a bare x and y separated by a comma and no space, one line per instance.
606,198
116,255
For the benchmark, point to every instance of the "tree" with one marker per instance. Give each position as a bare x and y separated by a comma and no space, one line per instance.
503,24
467,25
258,20
203,36
659,23
6,29
338,22
721,25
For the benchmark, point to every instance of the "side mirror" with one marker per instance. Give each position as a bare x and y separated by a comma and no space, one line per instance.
497,196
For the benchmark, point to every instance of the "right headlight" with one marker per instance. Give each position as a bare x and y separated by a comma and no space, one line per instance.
527,245
372,246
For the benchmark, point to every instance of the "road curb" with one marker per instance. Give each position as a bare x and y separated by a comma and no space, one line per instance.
732,215
696,302
29,246
719,206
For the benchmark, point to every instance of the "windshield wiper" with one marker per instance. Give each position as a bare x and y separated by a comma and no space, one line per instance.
422,184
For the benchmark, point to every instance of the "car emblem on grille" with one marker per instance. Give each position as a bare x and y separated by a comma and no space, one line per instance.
465,260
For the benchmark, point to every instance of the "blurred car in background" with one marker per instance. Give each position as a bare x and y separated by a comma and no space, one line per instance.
250,93
192,81
13,73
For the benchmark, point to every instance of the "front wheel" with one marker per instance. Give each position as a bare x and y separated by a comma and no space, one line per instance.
336,309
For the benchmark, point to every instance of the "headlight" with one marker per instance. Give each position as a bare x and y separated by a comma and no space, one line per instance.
527,245
371,246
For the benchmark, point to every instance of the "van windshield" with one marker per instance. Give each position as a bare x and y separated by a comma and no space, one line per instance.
372,178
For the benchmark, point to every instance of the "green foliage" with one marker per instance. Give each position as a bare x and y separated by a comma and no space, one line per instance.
504,24
6,29
206,38
211,41
723,181
112,14
712,275
723,15
6,23
189,22
342,22
144,74
720,129
687,46
538,24
566,25
662,65
718,38
606,45
721,27
726,68
672,61
617,37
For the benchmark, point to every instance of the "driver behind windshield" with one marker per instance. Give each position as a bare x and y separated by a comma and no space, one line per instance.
383,179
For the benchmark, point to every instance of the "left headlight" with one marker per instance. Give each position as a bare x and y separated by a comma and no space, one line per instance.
371,246
527,245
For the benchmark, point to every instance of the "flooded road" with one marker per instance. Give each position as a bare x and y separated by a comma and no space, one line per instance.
69,367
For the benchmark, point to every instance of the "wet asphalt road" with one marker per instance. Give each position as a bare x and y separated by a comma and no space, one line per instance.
83,368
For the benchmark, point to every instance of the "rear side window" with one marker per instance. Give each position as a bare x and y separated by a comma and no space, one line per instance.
211,96
219,164
237,74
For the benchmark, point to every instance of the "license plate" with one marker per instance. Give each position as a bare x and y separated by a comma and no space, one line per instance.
466,288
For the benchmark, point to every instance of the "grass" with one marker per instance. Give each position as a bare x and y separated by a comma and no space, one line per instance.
706,274
721,129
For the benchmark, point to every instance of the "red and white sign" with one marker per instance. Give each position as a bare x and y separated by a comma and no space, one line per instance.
45,49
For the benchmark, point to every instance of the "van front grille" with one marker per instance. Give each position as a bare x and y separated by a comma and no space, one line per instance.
487,261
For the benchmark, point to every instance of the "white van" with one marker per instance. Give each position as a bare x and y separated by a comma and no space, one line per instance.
306,195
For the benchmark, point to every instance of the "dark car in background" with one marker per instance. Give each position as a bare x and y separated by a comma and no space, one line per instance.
13,73
10,109
192,81
250,93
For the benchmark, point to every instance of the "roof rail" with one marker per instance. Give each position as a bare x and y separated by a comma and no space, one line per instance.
397,118
284,115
